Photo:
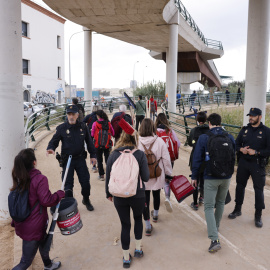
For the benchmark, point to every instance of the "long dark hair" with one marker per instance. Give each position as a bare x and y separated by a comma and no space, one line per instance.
23,163
102,115
162,120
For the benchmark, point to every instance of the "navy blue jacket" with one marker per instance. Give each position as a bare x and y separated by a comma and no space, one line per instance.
72,138
199,154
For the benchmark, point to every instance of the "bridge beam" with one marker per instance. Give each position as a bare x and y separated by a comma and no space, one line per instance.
257,56
11,91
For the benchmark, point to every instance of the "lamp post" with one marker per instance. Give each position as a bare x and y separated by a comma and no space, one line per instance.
133,76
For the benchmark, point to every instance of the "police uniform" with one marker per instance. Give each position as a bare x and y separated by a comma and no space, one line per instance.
258,139
73,138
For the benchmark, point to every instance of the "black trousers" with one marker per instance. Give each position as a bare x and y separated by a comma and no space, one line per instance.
246,169
139,119
78,165
200,183
238,98
100,153
156,202
123,206
29,251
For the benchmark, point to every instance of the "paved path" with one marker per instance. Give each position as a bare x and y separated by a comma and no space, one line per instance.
179,240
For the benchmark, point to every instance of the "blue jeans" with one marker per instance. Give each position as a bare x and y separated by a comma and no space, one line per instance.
29,251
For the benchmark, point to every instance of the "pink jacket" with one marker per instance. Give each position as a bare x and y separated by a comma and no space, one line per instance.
94,128
161,151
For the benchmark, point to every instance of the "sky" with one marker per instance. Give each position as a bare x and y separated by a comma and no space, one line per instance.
115,61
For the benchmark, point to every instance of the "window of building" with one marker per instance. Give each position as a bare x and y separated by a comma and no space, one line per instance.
25,30
26,67
59,72
58,42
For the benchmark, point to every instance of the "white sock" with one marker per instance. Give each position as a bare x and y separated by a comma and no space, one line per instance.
126,254
138,244
147,224
155,213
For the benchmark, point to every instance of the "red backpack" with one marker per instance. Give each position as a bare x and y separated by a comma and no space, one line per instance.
170,142
103,136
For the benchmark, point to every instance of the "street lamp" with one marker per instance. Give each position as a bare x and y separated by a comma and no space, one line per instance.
133,76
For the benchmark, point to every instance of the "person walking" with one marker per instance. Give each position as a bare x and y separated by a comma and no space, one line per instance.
217,149
128,142
152,104
116,119
227,93
80,107
164,131
140,111
149,142
102,131
33,229
192,100
178,98
253,151
238,96
194,135
73,134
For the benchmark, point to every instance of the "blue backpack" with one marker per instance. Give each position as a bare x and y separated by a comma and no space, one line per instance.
18,205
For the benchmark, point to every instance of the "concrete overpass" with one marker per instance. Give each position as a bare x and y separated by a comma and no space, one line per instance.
148,24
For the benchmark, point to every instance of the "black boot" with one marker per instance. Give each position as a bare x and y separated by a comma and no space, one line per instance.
258,218
87,203
236,212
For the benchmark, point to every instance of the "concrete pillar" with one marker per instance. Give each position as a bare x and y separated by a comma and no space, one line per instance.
11,96
88,68
257,56
186,78
172,67
167,70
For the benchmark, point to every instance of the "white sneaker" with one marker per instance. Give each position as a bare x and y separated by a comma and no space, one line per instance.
54,265
168,205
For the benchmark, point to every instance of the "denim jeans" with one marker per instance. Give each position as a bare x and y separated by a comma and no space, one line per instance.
215,192
29,251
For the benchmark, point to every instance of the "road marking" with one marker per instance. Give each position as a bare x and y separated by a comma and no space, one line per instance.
194,216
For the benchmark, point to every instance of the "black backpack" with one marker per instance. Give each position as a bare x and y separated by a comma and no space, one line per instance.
18,204
221,154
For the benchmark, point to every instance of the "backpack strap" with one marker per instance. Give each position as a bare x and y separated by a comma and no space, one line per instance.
151,145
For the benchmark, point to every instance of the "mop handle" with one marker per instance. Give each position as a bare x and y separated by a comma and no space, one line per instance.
55,215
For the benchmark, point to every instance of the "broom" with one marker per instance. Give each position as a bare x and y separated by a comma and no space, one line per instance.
49,238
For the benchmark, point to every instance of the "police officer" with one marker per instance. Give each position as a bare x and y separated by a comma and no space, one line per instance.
73,134
253,147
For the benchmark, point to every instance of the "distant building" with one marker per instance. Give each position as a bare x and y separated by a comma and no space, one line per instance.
43,54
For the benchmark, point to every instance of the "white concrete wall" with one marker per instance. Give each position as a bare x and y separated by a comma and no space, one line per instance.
41,49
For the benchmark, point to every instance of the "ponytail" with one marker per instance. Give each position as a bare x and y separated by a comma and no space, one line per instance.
23,163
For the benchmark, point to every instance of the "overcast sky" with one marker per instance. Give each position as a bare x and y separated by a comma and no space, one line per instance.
113,60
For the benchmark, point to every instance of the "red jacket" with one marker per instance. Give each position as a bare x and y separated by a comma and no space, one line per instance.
34,227
151,100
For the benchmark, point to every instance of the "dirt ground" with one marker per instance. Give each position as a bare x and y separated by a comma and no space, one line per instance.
178,240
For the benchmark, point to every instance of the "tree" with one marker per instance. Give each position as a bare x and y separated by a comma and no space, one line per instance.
233,86
151,88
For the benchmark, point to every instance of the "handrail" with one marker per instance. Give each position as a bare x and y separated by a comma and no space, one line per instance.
185,14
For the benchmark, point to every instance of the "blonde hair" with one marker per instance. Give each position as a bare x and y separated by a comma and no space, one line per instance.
127,140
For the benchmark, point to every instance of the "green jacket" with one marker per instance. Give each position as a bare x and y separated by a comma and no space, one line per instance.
140,108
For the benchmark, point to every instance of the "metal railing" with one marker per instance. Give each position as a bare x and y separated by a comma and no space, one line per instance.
185,14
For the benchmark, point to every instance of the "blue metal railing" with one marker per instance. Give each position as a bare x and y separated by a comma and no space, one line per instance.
185,14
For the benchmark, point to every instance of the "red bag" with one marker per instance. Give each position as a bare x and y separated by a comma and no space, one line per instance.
181,187
171,144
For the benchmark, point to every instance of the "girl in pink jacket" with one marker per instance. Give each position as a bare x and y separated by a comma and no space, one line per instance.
159,148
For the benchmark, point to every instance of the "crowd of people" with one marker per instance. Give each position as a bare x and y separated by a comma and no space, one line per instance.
148,157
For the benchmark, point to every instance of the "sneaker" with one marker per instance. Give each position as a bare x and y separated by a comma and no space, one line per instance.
54,265
148,232
214,246
88,204
201,200
94,169
126,264
194,206
168,205
236,212
101,177
138,253
155,218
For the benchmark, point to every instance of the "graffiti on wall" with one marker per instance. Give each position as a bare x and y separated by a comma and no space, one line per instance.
42,97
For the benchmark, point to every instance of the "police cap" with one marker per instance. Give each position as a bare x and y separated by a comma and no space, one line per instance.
72,109
254,112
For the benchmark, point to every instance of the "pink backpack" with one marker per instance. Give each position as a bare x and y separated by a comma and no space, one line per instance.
124,175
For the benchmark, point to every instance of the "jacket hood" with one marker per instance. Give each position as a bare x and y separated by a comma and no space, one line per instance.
217,130
34,172
152,99
124,147
147,140
204,126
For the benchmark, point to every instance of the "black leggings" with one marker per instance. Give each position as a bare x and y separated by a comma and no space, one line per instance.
29,250
156,202
123,206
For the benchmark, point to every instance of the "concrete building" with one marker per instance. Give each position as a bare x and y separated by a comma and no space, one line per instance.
42,54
